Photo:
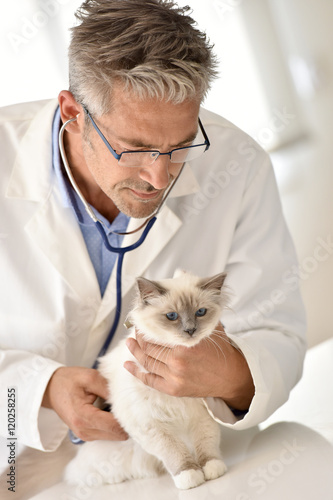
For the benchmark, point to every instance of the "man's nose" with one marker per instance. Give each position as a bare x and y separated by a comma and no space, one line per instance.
157,174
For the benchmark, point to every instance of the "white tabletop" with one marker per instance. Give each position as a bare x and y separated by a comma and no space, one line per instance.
285,461
289,458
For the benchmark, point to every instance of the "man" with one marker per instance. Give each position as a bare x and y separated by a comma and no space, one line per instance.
139,71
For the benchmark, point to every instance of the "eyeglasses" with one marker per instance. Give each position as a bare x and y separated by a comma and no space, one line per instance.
147,158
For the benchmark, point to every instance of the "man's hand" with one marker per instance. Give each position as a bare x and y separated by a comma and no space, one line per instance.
71,393
212,368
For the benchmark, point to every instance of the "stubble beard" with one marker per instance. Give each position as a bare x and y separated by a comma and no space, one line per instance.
123,198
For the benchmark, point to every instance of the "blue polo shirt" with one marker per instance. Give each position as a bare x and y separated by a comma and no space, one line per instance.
102,259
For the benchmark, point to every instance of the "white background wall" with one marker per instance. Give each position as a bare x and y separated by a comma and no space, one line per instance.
276,82
305,171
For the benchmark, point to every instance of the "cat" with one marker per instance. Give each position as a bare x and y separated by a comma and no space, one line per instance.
166,432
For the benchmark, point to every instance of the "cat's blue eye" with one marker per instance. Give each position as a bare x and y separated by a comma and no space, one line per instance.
201,312
172,316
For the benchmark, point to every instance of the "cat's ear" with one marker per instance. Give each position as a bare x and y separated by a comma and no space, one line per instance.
214,283
149,289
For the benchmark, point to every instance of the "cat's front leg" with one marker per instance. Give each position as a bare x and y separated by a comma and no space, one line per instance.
189,478
214,468
206,438
175,456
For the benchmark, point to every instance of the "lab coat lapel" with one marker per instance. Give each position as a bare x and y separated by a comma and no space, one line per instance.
60,239
32,172
51,225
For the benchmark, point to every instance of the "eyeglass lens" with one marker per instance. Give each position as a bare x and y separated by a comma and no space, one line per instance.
142,158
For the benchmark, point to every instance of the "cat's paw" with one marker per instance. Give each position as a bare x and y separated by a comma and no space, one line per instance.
214,468
189,479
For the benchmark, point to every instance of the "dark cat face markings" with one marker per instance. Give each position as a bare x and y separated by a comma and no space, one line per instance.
213,283
149,289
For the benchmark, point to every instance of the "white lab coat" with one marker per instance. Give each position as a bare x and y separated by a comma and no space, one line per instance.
224,214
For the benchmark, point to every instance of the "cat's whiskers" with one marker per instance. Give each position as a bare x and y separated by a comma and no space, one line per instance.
217,346
157,352
226,340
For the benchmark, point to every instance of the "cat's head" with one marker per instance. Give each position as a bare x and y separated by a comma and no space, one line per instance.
178,311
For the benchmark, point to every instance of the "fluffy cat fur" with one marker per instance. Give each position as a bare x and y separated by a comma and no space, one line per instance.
166,432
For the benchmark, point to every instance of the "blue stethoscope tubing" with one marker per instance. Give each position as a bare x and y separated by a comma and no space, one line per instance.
119,250
121,253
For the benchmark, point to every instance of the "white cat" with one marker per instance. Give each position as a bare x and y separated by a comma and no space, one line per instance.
166,432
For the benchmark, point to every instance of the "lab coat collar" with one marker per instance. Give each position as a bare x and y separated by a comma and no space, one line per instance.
31,177
186,184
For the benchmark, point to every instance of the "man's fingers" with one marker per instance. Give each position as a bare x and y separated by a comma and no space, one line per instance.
150,379
71,392
149,363
96,384
156,351
172,388
107,427
94,423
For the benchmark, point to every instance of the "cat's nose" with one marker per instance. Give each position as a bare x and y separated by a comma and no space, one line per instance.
190,331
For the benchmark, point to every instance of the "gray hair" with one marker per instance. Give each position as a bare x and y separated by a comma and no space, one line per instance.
149,46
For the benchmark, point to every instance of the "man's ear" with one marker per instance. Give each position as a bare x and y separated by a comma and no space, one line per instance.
69,108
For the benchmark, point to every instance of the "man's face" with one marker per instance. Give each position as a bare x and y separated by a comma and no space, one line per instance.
135,124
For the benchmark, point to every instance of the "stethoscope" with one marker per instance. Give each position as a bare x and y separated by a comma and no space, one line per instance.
121,251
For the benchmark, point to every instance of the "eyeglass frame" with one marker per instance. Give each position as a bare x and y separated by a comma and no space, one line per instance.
169,153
